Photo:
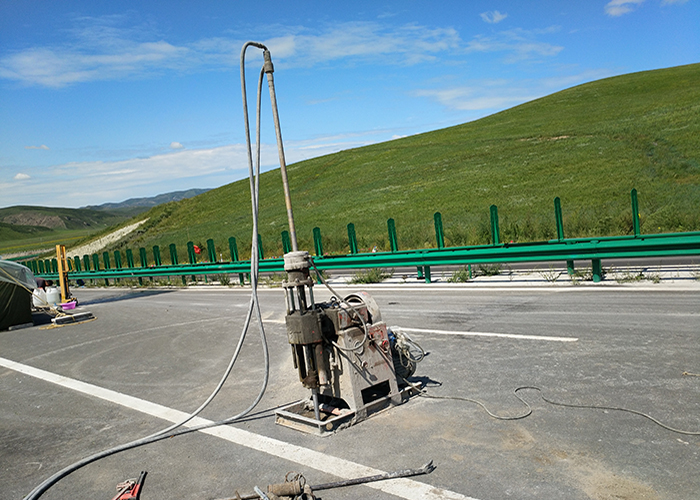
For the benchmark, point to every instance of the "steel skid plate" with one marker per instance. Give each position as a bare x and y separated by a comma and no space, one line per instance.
300,415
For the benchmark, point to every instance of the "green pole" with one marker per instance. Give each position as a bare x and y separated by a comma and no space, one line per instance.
261,251
117,259
192,257
393,241
494,225
41,267
233,247
173,254
129,258
156,256
439,233
86,262
143,257
352,238
286,242
211,250
635,212
76,261
560,232
105,258
560,220
318,243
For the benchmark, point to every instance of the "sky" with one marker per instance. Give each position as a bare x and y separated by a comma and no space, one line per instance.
101,101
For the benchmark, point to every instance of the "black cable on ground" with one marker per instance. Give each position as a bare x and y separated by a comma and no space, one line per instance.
557,403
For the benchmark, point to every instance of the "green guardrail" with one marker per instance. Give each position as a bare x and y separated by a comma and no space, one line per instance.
559,249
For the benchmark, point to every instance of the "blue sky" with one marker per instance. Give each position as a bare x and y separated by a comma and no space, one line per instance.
101,101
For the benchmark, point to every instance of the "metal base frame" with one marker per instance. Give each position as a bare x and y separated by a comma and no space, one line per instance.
295,415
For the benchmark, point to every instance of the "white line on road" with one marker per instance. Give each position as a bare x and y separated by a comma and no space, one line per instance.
403,488
485,334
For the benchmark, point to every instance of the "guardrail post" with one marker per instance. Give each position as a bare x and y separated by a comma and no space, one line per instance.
558,217
597,269
118,262
143,257
635,212
129,258
173,260
105,259
352,238
173,254
144,261
439,233
261,250
318,243
494,225
54,266
191,256
41,267
211,250
234,257
393,241
427,273
95,262
286,242
86,262
560,232
156,256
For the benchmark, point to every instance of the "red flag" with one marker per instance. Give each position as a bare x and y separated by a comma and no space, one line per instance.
197,250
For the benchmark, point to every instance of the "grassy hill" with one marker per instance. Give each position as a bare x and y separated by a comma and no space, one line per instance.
589,145
32,227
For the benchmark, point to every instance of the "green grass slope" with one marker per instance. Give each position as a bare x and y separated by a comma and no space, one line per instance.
33,227
589,145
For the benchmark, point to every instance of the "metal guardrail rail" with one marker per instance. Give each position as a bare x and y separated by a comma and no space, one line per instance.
594,249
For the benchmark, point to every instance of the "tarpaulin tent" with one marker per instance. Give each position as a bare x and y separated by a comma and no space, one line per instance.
16,283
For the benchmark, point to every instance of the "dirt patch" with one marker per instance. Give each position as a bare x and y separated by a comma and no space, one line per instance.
101,243
35,219
604,485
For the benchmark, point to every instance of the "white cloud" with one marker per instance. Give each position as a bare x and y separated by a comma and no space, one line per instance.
672,2
176,145
617,8
493,17
520,44
476,98
21,177
43,146
92,183
406,44
102,51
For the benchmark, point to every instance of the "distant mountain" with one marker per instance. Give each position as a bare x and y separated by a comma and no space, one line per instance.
149,202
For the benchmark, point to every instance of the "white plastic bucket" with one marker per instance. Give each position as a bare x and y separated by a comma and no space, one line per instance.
39,298
53,295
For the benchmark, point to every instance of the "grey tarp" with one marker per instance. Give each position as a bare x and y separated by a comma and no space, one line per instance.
15,298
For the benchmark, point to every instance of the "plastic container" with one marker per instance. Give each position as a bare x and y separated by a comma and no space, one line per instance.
53,295
68,305
39,298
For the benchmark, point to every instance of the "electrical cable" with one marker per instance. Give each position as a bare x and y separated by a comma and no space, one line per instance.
557,403
254,307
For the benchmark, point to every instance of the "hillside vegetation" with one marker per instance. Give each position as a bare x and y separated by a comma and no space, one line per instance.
33,227
589,145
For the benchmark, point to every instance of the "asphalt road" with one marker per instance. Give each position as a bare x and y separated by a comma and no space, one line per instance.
622,346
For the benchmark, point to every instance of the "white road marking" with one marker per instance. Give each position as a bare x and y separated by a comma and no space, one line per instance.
403,488
485,334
